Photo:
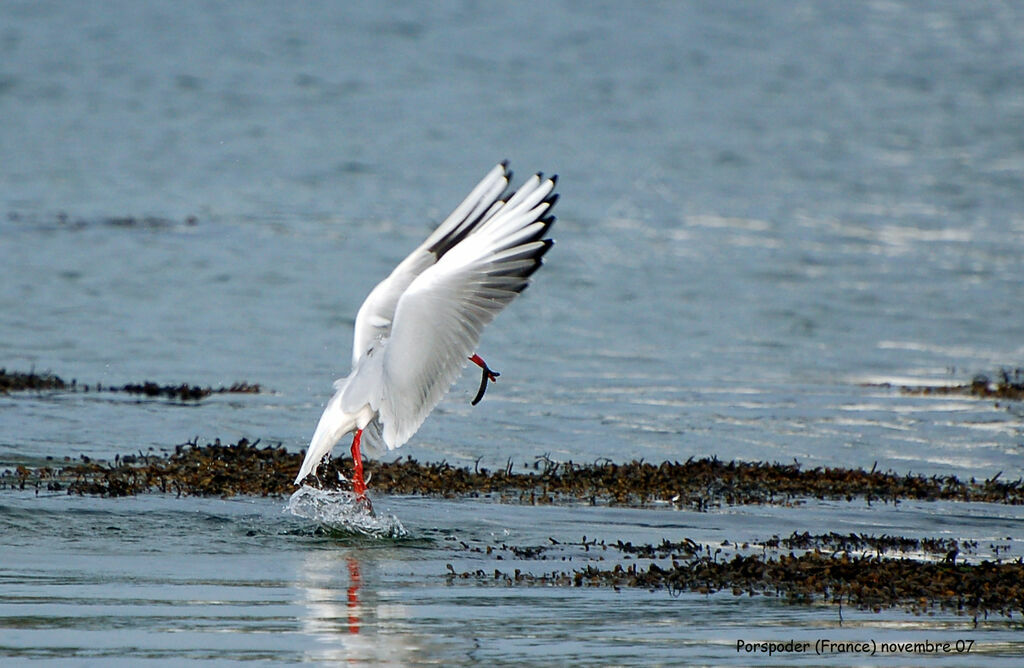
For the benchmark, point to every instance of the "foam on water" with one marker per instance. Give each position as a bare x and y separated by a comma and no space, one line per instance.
341,511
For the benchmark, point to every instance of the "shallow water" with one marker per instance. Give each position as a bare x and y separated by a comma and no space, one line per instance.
766,213
155,578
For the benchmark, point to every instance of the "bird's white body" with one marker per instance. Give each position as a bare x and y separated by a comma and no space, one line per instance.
418,327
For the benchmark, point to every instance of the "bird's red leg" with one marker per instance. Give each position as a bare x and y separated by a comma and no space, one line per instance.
487,373
479,361
358,484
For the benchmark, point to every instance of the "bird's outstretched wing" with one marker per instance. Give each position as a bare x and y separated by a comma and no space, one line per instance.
376,315
482,262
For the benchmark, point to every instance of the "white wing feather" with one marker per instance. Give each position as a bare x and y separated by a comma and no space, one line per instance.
373,322
439,318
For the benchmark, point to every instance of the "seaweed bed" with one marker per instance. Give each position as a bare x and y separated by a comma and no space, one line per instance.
1009,385
862,581
63,221
832,568
246,468
15,381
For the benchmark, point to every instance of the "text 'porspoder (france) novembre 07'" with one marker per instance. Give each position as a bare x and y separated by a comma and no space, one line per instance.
868,647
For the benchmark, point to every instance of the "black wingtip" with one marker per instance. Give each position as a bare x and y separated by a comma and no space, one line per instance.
554,179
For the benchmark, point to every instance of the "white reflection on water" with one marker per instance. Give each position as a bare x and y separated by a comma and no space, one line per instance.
346,620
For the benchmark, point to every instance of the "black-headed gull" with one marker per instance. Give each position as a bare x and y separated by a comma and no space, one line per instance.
419,326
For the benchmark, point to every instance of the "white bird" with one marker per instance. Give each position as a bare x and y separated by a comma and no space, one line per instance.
419,326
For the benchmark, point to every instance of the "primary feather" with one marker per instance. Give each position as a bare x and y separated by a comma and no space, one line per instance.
417,328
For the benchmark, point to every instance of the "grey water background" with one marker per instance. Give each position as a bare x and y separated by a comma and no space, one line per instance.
768,211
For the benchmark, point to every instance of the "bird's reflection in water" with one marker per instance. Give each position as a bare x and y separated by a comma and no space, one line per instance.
344,615
354,582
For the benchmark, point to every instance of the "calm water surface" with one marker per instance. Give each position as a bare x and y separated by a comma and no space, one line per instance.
767,212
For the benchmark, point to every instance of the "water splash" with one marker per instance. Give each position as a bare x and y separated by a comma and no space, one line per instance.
341,511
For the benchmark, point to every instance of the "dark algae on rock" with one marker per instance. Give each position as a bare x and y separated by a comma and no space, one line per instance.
1008,384
842,578
245,468
15,381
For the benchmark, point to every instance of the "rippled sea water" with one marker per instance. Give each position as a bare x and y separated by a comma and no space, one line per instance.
768,213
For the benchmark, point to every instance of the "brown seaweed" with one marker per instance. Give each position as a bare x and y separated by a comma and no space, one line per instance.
861,581
1008,385
15,381
244,468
